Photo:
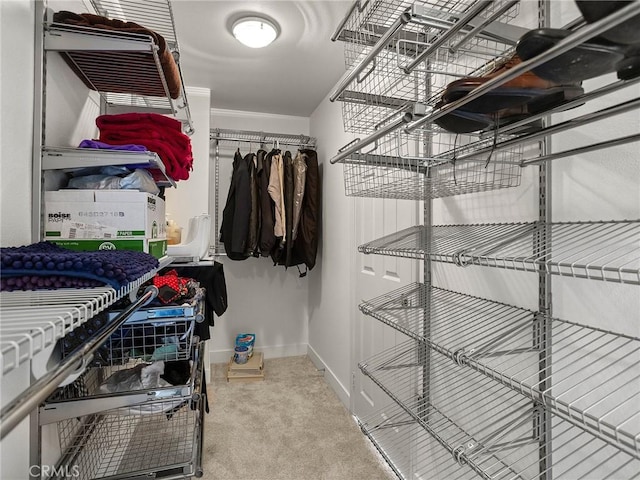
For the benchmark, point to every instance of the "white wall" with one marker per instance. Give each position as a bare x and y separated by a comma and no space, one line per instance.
331,302
266,300
16,86
191,197
16,80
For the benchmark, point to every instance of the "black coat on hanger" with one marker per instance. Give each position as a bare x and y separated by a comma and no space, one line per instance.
306,242
237,211
267,238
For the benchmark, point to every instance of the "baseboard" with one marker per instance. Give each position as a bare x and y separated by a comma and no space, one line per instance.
330,377
274,351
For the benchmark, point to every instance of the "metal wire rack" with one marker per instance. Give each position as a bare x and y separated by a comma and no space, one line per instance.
420,165
594,383
605,250
35,320
127,442
124,67
409,449
383,39
229,138
62,158
494,437
161,340
155,15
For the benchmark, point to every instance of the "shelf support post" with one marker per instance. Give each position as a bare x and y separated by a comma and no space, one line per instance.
541,321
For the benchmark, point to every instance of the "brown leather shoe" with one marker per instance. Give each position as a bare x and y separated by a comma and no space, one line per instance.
526,80
521,90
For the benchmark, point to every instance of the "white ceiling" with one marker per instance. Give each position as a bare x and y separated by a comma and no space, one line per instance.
289,77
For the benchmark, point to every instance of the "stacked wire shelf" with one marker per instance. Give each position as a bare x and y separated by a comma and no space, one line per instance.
135,428
503,391
124,67
594,383
406,32
131,443
400,43
409,449
485,426
34,321
424,165
605,250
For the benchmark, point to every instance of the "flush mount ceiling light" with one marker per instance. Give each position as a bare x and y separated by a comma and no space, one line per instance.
255,32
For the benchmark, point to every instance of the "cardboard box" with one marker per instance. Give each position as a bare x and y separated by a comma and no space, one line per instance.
251,371
107,214
157,248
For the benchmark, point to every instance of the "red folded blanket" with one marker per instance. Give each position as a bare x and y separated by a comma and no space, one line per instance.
167,62
158,133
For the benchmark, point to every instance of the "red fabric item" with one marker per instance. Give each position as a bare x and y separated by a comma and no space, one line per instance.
160,134
170,285
106,121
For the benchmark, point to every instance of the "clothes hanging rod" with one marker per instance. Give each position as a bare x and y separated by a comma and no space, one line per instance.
249,136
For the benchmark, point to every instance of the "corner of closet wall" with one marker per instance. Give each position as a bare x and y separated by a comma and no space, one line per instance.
263,299
331,293
16,124
191,197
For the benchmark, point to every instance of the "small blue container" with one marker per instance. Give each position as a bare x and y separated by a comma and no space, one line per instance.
246,340
241,355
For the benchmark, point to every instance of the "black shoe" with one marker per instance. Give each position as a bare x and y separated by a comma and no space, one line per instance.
587,60
626,33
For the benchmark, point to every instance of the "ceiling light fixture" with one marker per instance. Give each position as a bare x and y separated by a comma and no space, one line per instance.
255,32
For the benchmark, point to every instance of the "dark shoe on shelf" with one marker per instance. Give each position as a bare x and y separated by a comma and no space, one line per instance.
519,91
459,121
626,33
629,68
588,60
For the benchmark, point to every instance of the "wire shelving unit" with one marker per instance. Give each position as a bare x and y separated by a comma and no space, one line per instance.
497,442
605,250
124,67
69,159
595,384
563,395
32,321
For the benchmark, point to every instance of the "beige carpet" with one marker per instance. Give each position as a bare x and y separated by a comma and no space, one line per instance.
291,426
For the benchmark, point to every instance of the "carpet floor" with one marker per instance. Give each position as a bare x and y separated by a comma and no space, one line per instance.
291,426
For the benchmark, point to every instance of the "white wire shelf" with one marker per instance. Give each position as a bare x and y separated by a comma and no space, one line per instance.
155,15
594,382
408,448
263,139
62,158
35,320
471,416
114,64
495,437
605,250
124,67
